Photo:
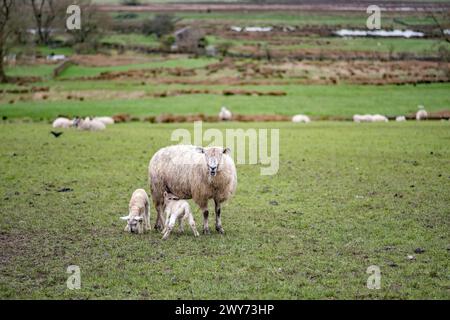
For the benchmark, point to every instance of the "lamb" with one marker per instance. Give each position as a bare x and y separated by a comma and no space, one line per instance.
138,218
225,114
88,124
400,118
301,118
62,123
105,120
177,210
191,172
422,114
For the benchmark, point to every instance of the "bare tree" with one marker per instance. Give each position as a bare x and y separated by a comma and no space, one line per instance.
6,31
94,23
47,14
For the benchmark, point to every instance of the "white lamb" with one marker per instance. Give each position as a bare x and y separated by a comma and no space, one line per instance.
422,114
400,118
88,124
301,118
105,120
177,210
138,218
62,123
225,114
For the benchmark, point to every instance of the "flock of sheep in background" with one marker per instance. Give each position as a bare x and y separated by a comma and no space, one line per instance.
100,123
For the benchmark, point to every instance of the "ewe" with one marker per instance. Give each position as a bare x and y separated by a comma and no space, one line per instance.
422,114
225,114
62,123
138,218
379,118
88,124
105,120
191,172
400,118
301,118
177,210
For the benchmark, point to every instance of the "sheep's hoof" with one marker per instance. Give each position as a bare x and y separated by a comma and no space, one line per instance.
206,231
220,230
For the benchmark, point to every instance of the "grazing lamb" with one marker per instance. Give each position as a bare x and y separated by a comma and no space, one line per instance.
105,120
422,114
62,123
88,124
301,118
191,172
400,118
379,118
138,218
225,114
177,210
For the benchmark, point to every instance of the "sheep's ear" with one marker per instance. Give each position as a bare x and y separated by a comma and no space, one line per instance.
199,149
226,150
165,194
124,217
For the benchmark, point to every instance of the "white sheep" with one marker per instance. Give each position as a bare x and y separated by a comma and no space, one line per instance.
88,124
138,218
422,114
379,118
400,118
301,118
105,120
62,123
191,172
177,210
225,114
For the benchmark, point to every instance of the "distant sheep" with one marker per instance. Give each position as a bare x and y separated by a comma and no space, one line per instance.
422,114
138,218
300,118
225,114
62,123
88,124
191,172
177,210
370,118
400,118
105,120
379,118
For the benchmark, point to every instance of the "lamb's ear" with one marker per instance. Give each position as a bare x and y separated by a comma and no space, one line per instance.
226,150
165,194
124,217
199,149
138,218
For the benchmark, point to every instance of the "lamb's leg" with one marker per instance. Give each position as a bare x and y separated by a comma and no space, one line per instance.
170,225
181,224
191,221
218,220
146,218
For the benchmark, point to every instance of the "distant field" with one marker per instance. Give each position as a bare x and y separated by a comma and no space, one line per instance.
346,196
315,100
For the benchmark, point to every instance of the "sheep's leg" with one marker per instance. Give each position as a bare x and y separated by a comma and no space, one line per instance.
191,221
170,225
159,222
218,220
146,218
205,219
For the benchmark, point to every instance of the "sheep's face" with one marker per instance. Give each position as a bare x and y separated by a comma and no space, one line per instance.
76,122
213,158
169,196
134,224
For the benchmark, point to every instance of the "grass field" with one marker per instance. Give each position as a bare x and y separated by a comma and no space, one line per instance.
346,196
315,100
